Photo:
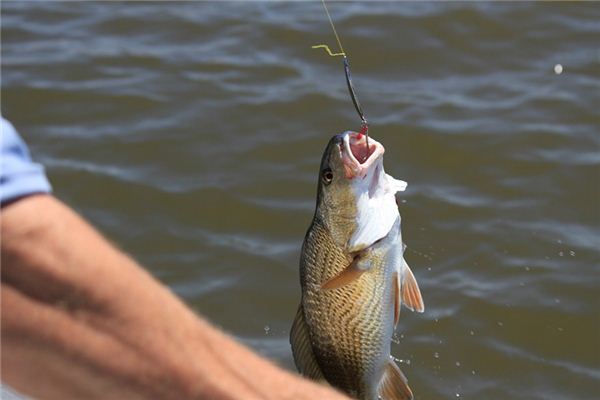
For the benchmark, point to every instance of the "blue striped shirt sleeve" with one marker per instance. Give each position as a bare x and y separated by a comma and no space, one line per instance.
19,175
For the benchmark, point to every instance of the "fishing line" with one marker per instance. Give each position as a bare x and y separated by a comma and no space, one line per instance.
427,256
337,37
364,124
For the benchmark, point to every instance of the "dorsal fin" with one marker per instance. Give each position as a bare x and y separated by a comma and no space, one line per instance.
304,356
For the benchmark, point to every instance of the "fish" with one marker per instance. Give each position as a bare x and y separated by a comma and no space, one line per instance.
353,275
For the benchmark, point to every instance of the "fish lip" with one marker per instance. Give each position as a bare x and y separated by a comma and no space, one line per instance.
353,167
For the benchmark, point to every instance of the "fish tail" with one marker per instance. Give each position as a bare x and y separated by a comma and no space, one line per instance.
393,384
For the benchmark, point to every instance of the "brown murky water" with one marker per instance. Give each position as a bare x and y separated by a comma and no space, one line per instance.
190,133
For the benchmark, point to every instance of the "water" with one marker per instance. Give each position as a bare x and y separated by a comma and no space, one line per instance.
190,133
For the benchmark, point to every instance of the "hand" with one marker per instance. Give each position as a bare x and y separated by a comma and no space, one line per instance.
80,319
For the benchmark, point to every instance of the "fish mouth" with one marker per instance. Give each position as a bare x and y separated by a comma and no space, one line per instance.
357,158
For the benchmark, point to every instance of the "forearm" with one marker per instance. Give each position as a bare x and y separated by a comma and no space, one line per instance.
80,319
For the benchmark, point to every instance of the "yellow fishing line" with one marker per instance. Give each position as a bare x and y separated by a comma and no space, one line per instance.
339,42
324,46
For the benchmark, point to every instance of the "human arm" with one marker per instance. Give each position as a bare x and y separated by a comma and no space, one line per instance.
80,319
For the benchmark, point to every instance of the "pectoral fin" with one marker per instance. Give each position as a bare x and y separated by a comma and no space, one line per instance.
352,272
304,356
411,294
393,384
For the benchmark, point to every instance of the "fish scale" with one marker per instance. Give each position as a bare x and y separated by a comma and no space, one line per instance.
347,333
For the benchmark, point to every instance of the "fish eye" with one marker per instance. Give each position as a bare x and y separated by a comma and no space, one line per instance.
327,176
